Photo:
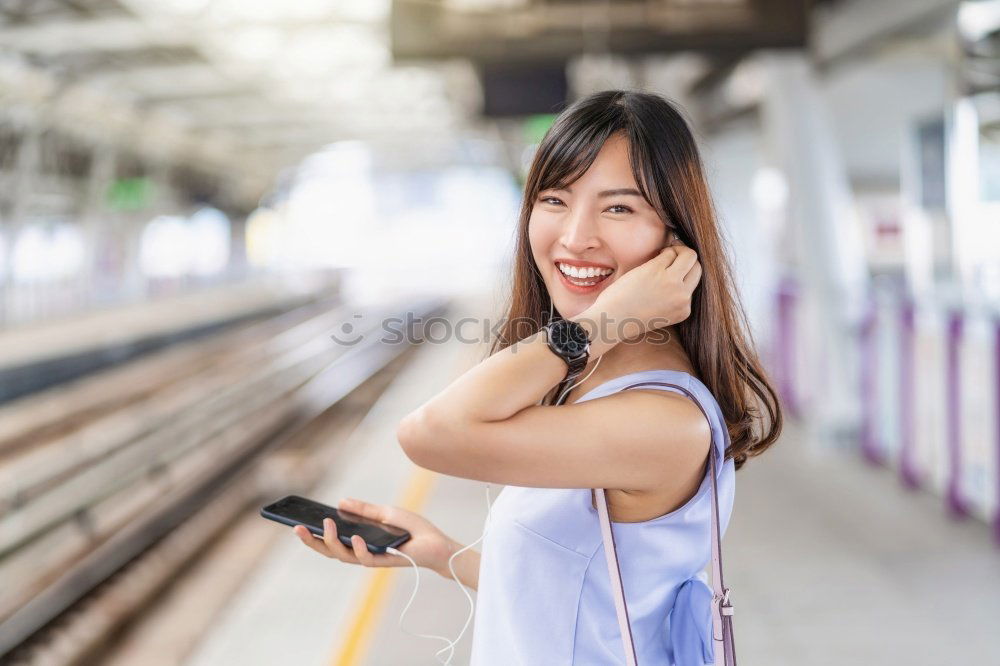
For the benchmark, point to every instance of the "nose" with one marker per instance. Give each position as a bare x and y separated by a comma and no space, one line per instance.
579,232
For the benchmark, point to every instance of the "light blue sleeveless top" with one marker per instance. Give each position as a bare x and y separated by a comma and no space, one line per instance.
544,591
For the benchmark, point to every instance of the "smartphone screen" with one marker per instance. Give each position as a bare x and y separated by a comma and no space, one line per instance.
295,510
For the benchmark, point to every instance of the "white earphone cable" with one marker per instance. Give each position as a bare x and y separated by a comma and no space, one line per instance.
416,586
567,389
451,568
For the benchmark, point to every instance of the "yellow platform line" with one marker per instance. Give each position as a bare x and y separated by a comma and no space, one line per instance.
362,629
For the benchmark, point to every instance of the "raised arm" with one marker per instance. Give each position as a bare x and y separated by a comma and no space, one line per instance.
487,425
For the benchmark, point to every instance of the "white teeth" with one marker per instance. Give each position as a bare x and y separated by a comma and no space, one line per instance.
588,272
582,275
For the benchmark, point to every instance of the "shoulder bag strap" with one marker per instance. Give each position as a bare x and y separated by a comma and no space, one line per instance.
722,608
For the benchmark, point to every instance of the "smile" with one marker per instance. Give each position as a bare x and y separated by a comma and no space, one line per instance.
583,277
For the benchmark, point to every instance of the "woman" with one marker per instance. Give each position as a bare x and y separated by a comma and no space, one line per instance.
617,233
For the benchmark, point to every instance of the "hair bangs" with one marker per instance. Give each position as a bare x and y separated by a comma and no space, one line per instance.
569,160
572,146
643,171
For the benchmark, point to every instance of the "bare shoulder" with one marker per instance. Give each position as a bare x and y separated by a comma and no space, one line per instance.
671,430
686,451
671,409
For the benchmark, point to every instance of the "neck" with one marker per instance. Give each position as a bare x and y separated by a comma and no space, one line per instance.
650,351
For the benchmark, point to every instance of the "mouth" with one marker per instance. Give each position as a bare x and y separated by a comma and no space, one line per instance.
582,279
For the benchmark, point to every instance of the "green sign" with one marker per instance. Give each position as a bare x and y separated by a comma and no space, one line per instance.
130,193
536,126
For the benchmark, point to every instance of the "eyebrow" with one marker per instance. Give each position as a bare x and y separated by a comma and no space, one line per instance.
606,193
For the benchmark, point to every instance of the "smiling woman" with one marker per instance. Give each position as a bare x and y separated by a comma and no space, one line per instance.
617,234
623,364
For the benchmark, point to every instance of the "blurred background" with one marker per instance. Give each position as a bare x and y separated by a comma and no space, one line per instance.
210,208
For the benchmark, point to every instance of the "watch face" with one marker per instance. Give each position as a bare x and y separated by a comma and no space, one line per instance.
570,337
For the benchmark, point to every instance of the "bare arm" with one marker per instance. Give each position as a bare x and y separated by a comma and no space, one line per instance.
519,376
466,566
487,426
500,386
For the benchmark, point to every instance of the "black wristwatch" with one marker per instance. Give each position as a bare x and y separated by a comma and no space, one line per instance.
569,341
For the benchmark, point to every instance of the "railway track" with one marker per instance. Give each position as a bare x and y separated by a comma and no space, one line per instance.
108,486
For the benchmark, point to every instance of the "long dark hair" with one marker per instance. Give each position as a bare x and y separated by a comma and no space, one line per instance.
668,170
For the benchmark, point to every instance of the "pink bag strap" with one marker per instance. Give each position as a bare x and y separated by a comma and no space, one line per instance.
722,608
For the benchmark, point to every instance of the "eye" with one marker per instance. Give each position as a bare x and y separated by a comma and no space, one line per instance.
548,199
625,208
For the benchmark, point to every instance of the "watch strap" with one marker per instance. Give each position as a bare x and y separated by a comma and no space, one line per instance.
574,364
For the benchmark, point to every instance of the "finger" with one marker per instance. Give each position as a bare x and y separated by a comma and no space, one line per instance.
686,257
693,275
306,537
361,551
366,509
334,544
667,255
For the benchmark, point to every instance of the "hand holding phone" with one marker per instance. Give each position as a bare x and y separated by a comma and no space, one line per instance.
427,545
294,510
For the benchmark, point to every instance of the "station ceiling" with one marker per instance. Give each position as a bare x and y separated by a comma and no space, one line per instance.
249,87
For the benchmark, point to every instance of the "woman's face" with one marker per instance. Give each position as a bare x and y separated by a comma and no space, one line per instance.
600,223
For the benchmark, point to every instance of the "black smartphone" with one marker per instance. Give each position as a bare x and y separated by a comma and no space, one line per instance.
294,510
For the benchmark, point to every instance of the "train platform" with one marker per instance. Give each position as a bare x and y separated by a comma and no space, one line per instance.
38,355
197,230
127,323
856,537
